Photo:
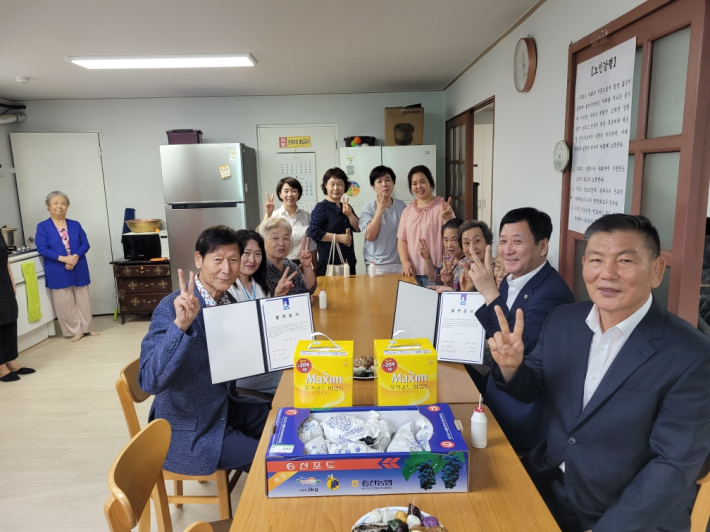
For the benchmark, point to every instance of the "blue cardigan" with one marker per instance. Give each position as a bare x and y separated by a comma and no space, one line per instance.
50,246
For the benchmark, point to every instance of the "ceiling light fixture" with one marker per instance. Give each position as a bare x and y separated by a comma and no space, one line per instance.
166,61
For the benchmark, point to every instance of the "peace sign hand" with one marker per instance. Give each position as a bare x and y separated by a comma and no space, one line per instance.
269,206
481,273
285,283
447,269
465,283
186,304
381,205
507,348
304,256
447,212
347,209
424,249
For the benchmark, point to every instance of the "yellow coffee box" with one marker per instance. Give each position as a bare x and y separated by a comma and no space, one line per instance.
406,372
323,374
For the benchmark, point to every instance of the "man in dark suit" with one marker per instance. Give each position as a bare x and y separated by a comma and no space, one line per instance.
531,285
211,427
627,384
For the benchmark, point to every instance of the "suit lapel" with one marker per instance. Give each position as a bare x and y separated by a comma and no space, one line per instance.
580,336
637,350
529,289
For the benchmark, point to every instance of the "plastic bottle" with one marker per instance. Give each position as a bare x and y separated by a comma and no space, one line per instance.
373,269
479,428
346,270
323,299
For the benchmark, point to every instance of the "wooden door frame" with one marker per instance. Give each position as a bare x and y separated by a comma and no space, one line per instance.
471,210
694,167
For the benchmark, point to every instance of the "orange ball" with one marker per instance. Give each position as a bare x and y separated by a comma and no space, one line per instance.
357,140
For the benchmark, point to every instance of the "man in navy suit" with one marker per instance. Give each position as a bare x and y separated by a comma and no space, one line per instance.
627,384
531,285
211,428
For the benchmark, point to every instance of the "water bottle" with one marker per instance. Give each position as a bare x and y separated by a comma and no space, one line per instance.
346,270
479,428
373,269
323,299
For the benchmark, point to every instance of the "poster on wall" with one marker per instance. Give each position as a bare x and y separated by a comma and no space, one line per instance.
600,149
301,166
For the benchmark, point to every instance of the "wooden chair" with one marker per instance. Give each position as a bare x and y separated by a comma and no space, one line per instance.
136,473
701,510
129,393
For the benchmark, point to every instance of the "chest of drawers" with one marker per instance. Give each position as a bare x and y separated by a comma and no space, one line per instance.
141,285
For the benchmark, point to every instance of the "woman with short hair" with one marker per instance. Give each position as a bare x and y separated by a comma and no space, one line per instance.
276,233
422,219
289,191
63,244
333,219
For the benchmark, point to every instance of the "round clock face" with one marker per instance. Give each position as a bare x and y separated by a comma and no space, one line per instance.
560,156
522,64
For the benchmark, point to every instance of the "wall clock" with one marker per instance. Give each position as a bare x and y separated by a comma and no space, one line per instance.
525,64
560,157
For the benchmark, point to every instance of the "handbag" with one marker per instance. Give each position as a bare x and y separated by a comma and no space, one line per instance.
335,269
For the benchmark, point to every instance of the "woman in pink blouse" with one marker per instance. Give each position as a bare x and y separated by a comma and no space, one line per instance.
421,221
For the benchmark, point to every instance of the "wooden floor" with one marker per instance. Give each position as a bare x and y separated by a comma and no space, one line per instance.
61,428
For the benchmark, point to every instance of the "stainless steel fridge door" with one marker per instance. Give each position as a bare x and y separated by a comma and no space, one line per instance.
185,225
202,172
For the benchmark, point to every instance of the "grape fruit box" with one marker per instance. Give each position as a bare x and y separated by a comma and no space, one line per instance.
291,473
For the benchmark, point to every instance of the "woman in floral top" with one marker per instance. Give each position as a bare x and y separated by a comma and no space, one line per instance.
453,262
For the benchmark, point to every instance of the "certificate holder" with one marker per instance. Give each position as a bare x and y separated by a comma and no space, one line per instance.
448,320
256,337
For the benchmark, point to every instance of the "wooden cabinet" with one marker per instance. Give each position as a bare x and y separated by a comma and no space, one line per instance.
141,285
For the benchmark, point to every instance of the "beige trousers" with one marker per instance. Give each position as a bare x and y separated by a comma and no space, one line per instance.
73,308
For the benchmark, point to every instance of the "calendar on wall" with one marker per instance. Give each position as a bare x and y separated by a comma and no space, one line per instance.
301,166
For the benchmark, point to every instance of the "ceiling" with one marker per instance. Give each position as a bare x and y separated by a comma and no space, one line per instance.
307,47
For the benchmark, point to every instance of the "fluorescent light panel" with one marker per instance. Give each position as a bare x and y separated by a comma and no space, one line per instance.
166,61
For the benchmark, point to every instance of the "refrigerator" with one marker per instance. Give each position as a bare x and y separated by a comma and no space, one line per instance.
357,163
205,185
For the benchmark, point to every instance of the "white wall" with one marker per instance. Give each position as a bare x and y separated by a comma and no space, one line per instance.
528,125
9,208
132,130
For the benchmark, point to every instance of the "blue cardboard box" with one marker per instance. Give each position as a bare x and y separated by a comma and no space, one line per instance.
291,473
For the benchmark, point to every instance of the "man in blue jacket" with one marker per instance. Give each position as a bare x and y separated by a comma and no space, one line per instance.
531,285
627,386
211,428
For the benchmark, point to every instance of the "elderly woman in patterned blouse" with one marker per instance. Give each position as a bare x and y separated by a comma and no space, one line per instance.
277,242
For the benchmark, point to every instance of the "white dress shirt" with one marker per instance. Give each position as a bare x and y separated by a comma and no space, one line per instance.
299,227
605,347
516,285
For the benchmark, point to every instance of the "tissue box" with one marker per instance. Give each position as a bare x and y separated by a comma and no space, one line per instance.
290,473
323,374
405,372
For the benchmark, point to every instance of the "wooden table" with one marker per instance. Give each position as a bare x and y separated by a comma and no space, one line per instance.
361,308
501,496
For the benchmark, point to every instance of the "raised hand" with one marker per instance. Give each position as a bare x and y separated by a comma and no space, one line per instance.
381,205
269,206
507,348
447,269
186,304
424,249
347,209
285,283
447,212
481,273
304,256
465,282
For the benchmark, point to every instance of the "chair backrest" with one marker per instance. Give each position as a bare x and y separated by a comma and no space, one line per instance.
129,393
701,510
134,474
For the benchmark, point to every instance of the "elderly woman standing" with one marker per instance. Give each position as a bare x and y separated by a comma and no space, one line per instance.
63,244
277,242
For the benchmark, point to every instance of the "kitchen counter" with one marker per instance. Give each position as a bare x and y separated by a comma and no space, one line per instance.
15,257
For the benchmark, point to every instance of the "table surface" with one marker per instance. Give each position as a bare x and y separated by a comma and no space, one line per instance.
501,496
361,308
